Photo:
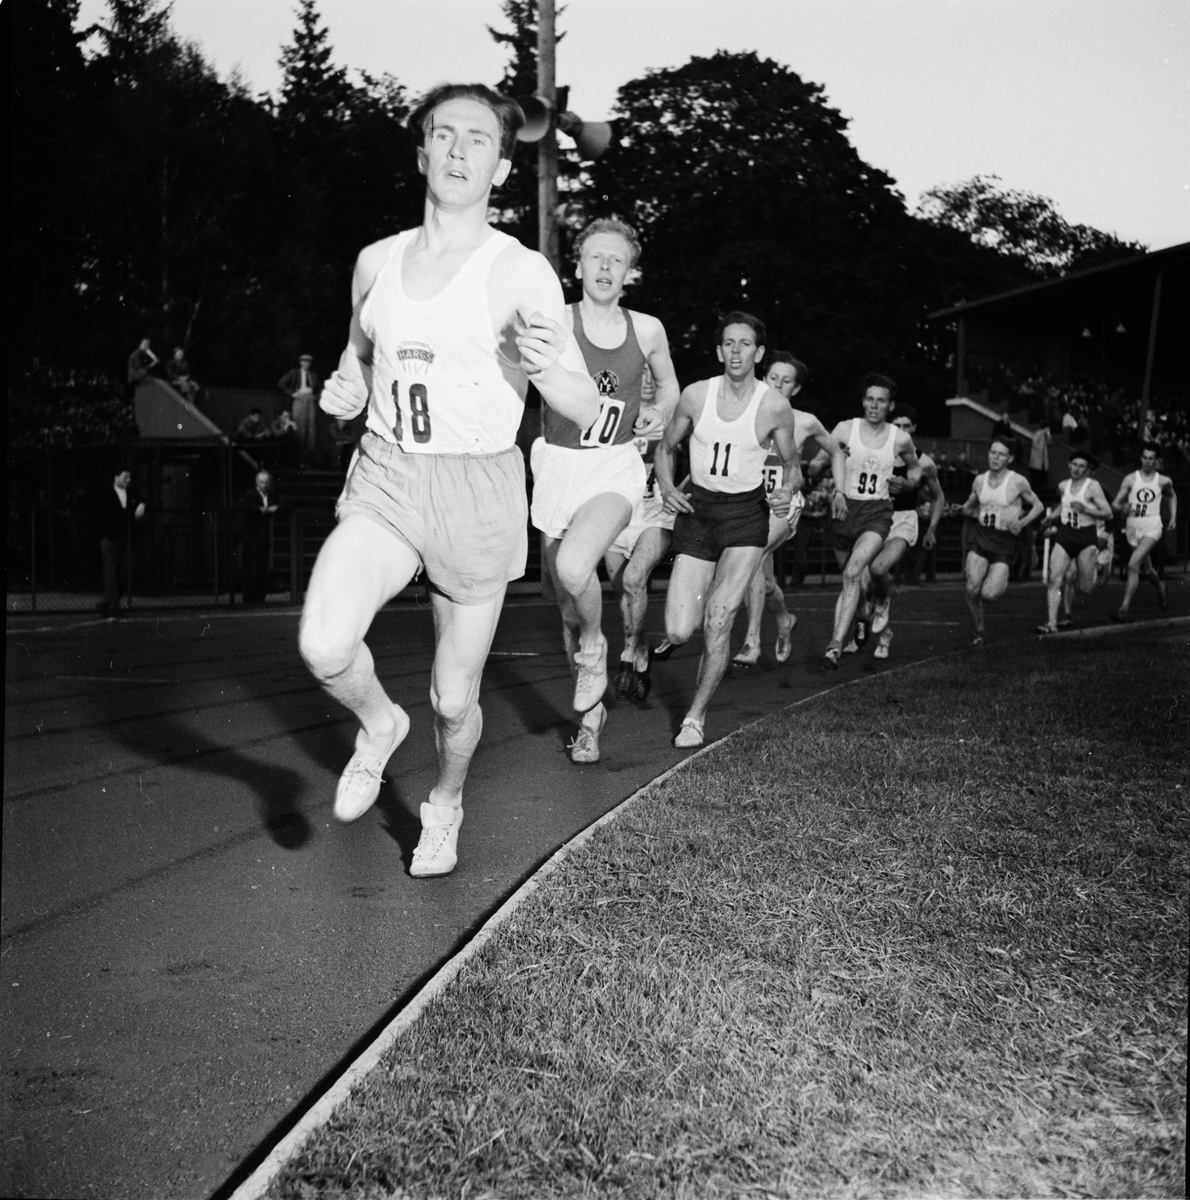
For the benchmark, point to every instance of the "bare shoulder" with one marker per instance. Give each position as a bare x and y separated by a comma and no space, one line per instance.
842,432
525,279
904,441
927,464
648,329
693,396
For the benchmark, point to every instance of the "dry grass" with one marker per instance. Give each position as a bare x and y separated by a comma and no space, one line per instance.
926,936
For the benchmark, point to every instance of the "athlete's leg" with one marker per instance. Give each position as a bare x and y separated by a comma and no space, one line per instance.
686,598
1055,582
464,635
995,583
866,547
360,567
1138,564
735,568
976,569
1086,570
891,553
651,547
764,592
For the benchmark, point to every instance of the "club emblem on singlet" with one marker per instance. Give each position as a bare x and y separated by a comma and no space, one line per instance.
414,358
608,383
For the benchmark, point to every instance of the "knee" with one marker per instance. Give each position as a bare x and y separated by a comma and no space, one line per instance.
573,573
853,575
326,649
454,702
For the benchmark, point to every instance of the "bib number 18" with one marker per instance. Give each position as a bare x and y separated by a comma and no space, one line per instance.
419,412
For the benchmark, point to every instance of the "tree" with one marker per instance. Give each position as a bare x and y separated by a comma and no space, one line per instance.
1021,226
748,194
314,93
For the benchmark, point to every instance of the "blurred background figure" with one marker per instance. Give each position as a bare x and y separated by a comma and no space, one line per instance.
302,386
117,507
177,370
258,507
140,362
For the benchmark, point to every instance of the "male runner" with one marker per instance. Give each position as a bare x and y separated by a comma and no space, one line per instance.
1081,505
862,505
587,481
785,375
1139,500
995,504
902,535
450,321
722,526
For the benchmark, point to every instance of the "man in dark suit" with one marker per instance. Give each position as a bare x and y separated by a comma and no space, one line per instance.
258,506
302,386
116,509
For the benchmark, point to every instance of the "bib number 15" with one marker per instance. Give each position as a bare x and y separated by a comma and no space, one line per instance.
418,401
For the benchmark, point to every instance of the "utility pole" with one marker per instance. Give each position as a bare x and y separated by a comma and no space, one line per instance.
547,148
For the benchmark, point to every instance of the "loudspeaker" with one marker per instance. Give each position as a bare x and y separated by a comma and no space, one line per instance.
537,118
592,138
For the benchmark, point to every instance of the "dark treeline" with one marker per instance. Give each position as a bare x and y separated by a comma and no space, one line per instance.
151,197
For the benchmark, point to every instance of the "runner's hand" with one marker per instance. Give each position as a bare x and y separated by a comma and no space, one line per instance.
650,423
344,395
897,484
930,540
675,502
781,500
540,341
839,506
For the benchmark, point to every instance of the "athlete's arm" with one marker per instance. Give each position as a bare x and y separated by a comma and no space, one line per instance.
830,449
842,435
524,290
1036,508
654,415
1172,496
1094,503
906,451
679,426
784,443
929,472
345,393
971,504
1120,503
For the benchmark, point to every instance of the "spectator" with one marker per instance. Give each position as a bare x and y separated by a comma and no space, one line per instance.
258,506
115,511
140,362
177,371
302,386
1039,461
252,428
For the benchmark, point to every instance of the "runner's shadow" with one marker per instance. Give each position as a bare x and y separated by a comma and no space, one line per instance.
524,690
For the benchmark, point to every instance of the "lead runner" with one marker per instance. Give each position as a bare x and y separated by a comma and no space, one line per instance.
450,321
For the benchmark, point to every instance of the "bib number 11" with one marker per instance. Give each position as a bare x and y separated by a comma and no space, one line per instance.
418,400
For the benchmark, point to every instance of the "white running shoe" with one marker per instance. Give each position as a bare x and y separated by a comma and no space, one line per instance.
585,747
591,680
359,785
880,613
437,848
691,735
852,647
881,650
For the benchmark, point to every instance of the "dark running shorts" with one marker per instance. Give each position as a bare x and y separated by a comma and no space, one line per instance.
996,545
721,520
863,516
1075,541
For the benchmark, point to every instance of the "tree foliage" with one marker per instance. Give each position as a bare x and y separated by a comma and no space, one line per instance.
1021,226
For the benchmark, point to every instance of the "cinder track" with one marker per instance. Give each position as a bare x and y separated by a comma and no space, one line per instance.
192,946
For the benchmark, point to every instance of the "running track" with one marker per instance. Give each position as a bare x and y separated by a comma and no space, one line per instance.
192,948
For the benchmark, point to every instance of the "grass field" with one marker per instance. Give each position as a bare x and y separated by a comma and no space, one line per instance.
926,935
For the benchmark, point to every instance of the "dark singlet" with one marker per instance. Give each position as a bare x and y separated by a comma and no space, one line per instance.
906,500
617,374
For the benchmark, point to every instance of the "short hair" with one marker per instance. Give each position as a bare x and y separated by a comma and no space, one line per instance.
1087,457
609,225
1009,444
872,379
783,356
305,357
507,111
1152,448
254,412
736,317
907,410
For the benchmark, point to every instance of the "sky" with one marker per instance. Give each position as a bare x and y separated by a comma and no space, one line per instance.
1084,101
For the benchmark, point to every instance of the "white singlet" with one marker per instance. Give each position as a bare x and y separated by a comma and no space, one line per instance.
725,455
995,509
1068,516
441,383
1144,496
869,469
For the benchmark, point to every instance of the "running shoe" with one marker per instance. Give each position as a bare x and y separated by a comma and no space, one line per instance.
880,614
662,650
691,735
830,660
591,680
746,659
785,640
881,650
1047,629
977,640
852,646
585,747
861,631
1120,618
626,681
1065,623
359,785
437,848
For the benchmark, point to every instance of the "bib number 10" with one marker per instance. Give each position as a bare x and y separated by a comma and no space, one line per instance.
418,400
603,430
